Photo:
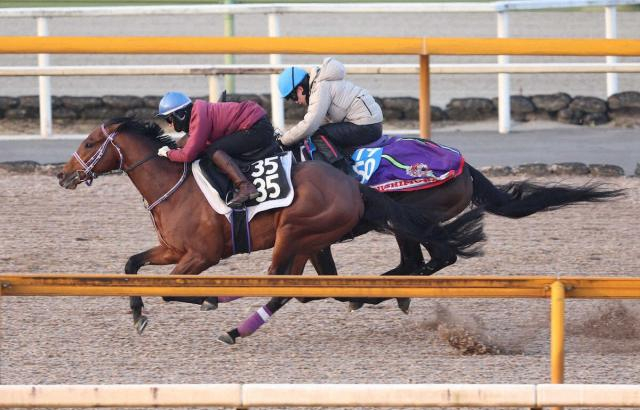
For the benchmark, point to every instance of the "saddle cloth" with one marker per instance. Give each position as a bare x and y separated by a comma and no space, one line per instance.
392,164
271,176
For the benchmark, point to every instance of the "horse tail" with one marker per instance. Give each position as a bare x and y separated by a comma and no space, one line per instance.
520,199
463,236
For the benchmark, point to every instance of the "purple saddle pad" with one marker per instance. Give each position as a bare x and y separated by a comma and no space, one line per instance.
409,164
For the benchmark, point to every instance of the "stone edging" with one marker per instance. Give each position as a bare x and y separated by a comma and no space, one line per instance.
621,109
528,170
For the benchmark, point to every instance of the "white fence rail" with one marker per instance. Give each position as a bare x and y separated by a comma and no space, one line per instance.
320,395
215,73
285,8
272,11
253,69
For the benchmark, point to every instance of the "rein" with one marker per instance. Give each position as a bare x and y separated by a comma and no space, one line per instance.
89,175
185,171
142,161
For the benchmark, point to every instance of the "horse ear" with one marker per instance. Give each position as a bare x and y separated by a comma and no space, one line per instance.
223,96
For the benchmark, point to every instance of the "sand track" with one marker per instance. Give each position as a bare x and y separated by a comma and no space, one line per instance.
44,228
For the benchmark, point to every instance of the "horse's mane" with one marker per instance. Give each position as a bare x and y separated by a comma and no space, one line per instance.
149,130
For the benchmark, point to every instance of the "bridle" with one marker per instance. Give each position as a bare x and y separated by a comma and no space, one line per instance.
89,175
87,167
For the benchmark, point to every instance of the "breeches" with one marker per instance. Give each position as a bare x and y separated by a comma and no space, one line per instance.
345,135
258,137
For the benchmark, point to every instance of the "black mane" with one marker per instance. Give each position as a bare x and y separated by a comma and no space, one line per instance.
149,130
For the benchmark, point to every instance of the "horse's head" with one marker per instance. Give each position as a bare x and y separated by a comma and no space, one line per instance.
103,150
96,155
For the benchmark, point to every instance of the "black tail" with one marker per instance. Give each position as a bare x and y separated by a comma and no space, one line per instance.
520,199
462,237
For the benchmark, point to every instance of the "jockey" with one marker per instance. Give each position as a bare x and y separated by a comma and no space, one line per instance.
339,112
221,130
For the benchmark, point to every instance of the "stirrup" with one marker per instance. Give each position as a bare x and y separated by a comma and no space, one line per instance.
237,201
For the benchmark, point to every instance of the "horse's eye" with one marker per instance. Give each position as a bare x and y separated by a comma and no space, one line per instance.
88,145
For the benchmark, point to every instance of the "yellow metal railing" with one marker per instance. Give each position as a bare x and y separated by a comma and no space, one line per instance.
420,46
319,45
346,286
317,286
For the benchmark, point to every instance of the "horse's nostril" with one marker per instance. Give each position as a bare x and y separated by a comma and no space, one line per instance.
60,176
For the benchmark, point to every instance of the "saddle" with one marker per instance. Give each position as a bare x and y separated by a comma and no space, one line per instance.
272,177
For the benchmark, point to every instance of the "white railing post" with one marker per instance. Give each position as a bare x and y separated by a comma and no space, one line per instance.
46,128
611,31
229,31
277,103
504,95
214,87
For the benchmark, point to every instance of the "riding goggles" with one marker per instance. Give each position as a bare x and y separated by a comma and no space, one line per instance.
293,95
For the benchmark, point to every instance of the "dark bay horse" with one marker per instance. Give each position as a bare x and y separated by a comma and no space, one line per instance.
327,207
515,200
471,188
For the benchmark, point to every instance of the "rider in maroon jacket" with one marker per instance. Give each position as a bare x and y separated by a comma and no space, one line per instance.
221,130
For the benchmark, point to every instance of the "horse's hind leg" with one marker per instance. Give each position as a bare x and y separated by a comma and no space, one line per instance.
440,258
158,255
411,262
411,259
324,265
255,321
262,315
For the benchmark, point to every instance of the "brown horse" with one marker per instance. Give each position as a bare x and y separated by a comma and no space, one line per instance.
327,207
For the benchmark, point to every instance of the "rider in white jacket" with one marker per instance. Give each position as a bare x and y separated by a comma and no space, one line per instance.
339,113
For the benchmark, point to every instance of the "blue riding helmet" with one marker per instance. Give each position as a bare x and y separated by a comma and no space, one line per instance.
289,79
171,102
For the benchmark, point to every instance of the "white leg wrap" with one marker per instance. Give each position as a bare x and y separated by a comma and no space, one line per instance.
264,315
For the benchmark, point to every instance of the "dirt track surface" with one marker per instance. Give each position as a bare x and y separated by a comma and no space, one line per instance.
46,340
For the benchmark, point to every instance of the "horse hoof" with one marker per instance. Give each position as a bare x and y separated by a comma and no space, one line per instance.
404,304
206,305
226,339
141,324
355,306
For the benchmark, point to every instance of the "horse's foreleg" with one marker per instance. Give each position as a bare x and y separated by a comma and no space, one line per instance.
193,264
158,255
206,303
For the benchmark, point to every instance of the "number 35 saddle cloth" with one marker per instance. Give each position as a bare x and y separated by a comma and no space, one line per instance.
271,176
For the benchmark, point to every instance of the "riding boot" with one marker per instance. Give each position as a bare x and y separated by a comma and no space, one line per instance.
327,151
245,190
